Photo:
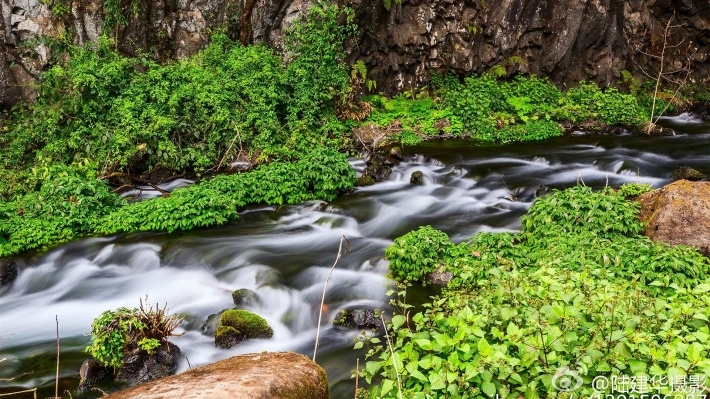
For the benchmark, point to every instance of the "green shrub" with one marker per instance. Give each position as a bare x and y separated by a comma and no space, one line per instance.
587,101
603,213
71,204
417,253
414,116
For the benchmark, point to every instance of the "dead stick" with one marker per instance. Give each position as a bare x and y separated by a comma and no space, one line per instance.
56,381
357,374
325,286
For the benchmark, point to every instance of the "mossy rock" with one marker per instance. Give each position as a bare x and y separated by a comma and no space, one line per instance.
687,173
226,337
417,178
364,181
244,297
237,325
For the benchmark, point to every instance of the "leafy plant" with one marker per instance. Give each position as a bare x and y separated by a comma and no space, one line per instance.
417,253
115,332
513,332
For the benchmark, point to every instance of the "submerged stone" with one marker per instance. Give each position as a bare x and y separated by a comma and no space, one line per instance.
364,181
358,319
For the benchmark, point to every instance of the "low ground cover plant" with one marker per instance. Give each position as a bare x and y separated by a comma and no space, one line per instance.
578,294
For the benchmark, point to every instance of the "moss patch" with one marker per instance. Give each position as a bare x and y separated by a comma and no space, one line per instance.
248,323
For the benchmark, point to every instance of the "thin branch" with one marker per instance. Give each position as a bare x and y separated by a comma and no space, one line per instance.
56,380
325,286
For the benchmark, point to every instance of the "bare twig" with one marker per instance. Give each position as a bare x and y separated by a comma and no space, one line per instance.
357,374
56,380
236,136
325,286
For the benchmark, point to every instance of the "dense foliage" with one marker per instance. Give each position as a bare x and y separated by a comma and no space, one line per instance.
133,114
526,108
70,205
578,293
101,112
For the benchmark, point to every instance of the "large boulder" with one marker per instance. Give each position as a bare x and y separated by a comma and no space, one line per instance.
253,376
678,213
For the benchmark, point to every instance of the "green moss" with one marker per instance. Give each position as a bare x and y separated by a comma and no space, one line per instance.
364,181
248,323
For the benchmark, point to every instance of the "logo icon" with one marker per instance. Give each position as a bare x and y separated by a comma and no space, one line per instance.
567,379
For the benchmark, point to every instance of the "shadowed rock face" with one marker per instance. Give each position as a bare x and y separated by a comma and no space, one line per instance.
566,40
253,376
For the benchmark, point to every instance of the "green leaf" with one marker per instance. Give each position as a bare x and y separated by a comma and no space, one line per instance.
489,389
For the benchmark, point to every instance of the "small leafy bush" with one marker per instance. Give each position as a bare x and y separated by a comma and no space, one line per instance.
417,253
421,116
604,213
633,190
116,332
587,101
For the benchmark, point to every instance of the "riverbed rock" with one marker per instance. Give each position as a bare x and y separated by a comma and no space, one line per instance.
396,153
266,375
90,373
379,167
244,297
687,173
8,271
359,319
237,325
440,277
364,181
211,324
678,213
140,367
417,178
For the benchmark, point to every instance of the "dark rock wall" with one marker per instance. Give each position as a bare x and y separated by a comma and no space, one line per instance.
568,41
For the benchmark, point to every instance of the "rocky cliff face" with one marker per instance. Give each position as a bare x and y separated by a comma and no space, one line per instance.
565,40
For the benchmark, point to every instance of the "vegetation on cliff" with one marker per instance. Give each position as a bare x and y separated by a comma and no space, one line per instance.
578,294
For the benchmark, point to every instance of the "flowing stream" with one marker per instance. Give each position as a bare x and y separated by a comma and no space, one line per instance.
284,253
